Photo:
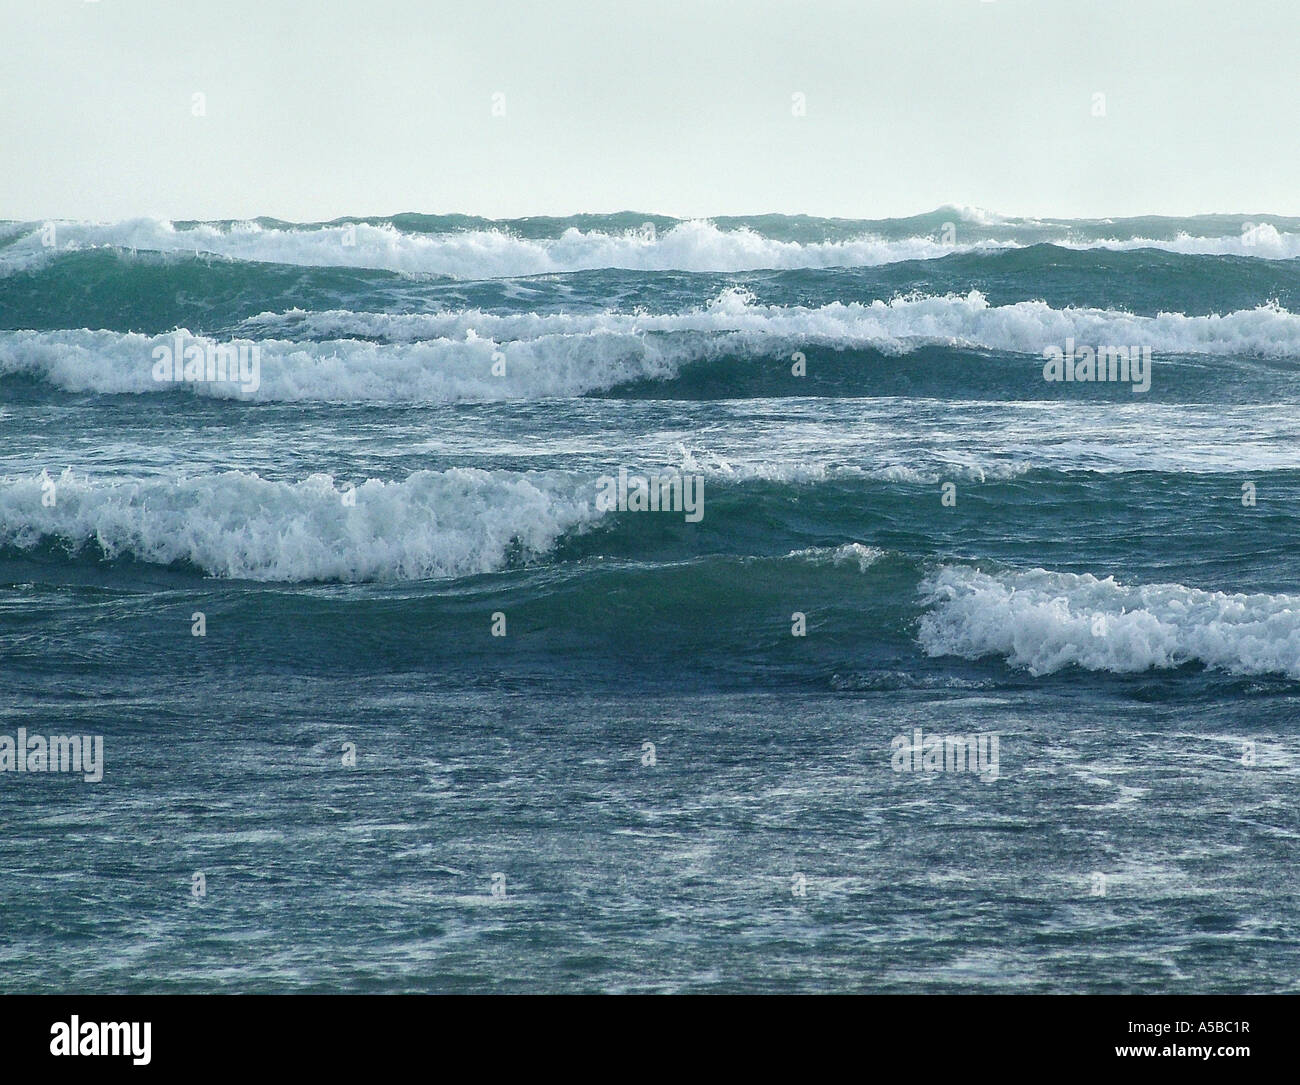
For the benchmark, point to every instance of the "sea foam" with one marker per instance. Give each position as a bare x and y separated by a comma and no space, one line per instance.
1044,621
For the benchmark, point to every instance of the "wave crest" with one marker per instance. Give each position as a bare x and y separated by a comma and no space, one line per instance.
450,356
237,525
1045,621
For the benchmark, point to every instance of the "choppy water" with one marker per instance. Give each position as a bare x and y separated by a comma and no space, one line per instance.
1112,589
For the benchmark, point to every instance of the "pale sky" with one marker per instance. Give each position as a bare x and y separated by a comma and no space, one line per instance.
316,109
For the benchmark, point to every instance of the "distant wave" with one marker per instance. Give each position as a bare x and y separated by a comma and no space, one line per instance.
501,251
450,356
895,326
485,254
437,371
1045,621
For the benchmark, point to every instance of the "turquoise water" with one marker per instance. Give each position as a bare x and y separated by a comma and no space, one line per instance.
1109,588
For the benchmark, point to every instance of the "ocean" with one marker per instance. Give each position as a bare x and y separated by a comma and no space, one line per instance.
629,604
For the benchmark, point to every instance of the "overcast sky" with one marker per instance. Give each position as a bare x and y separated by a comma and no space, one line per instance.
315,109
